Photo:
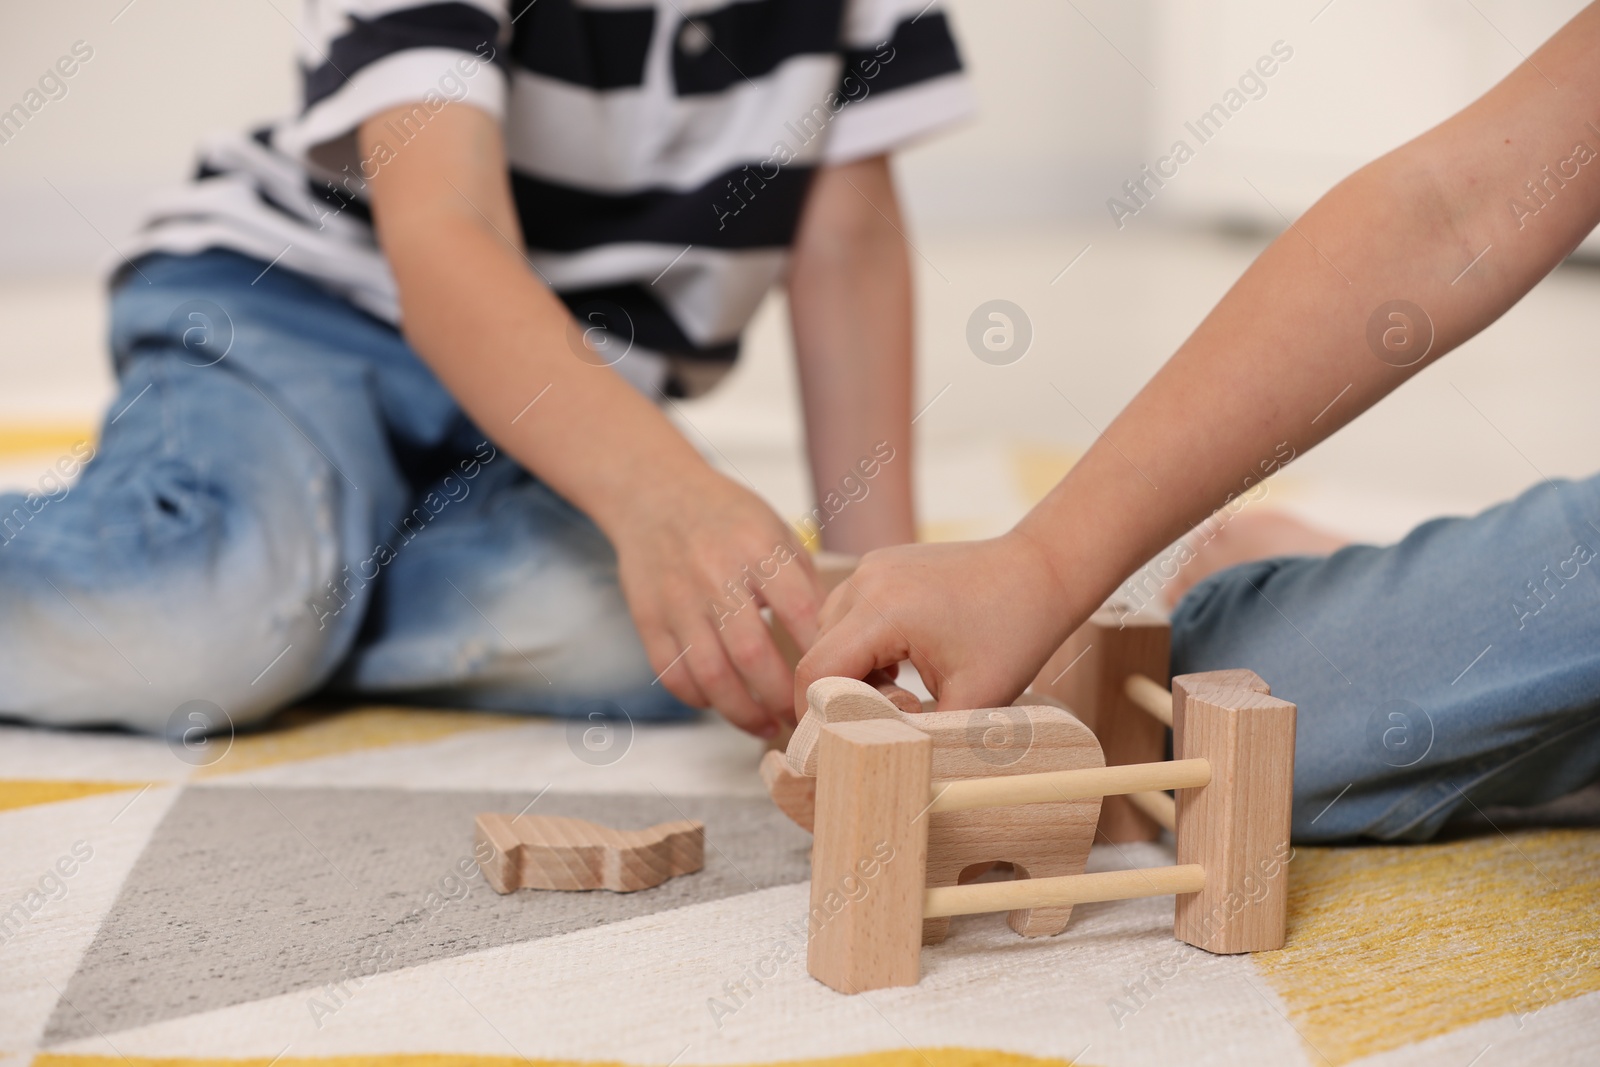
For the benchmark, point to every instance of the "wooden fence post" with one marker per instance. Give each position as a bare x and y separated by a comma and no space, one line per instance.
869,863
1237,825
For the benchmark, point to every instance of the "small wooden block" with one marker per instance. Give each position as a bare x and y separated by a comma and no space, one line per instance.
1087,675
554,852
1237,826
869,864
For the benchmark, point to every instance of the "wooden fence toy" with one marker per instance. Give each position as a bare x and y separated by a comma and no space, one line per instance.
909,808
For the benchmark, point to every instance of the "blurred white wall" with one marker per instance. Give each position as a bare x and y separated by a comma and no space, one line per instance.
1365,76
1062,113
163,73
1075,96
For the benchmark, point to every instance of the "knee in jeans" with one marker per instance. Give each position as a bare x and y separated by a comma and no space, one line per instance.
132,657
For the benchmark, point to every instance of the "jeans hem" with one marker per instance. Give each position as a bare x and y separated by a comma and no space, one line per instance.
1483,770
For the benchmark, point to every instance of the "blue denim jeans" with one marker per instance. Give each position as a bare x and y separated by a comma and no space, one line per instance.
1456,669
285,499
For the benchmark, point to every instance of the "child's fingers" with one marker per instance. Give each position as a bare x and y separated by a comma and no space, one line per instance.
750,648
717,677
902,698
964,687
795,597
845,596
667,659
857,645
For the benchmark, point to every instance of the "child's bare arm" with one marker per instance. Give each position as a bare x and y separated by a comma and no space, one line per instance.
850,302
1294,351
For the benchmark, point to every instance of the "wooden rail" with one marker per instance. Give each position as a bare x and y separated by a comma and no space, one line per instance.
1054,786
1151,696
1158,806
1069,889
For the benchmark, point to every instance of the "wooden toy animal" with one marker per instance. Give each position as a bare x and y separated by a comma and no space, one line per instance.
1039,841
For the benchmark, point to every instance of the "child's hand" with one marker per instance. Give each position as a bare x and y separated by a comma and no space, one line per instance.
977,619
698,559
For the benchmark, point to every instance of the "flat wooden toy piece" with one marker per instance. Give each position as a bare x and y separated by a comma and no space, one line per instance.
555,852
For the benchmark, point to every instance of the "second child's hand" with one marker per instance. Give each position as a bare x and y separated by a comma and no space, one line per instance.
1257,376
977,620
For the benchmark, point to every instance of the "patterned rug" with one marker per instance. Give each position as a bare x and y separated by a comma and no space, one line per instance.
305,896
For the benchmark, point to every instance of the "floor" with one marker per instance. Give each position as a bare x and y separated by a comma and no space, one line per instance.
305,896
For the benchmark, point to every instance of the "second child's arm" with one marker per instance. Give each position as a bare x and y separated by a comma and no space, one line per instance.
1282,362
501,342
850,301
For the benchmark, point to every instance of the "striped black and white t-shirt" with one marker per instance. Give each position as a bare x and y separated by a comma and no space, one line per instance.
660,150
